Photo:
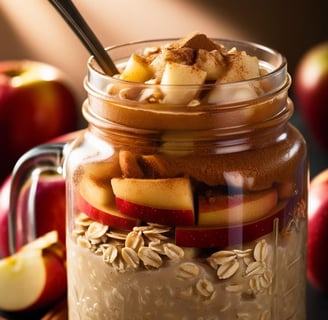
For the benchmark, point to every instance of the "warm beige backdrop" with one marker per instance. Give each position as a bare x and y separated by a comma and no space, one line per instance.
32,29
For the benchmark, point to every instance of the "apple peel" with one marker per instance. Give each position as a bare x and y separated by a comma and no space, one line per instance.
165,201
106,215
223,210
168,217
220,237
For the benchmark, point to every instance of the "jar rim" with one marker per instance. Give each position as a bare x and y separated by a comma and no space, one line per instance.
230,111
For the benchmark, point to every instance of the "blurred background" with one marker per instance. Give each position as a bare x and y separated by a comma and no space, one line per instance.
34,30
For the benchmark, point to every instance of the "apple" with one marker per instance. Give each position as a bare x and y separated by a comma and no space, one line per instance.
210,61
317,256
223,236
311,91
242,67
176,74
49,204
49,209
34,277
220,210
36,105
106,214
136,70
95,195
163,201
95,181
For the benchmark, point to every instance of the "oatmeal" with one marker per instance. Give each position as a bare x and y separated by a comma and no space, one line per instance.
231,283
187,193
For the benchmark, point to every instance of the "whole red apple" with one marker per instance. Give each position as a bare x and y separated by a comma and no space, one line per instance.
36,105
317,256
311,91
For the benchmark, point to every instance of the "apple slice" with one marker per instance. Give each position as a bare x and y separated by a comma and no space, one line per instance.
176,74
107,215
164,201
34,277
223,210
220,237
94,183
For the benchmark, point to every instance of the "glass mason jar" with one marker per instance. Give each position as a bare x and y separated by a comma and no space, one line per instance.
193,210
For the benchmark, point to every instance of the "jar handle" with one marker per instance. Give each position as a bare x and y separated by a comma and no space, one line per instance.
41,159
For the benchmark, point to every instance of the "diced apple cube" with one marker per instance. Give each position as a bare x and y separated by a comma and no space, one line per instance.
181,55
136,70
211,62
242,67
234,93
176,74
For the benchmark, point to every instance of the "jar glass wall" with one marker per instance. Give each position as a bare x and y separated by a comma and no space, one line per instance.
183,208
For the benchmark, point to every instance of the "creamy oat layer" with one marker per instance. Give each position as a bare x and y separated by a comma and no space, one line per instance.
142,275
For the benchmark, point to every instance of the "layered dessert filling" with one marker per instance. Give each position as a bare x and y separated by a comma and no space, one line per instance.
193,60
165,228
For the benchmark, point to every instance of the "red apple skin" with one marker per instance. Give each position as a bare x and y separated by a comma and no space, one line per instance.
32,112
220,237
56,286
110,217
169,217
311,91
317,255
